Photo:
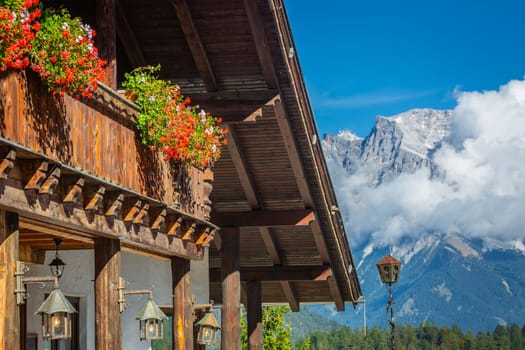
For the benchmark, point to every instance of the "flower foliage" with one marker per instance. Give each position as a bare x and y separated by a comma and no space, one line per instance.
64,55
168,121
18,26
57,47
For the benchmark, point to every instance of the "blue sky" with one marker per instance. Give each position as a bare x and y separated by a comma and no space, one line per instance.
362,58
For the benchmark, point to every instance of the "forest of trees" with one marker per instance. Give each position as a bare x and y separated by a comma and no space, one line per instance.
277,333
425,336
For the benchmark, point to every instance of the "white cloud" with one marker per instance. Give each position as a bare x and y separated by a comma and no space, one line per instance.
481,194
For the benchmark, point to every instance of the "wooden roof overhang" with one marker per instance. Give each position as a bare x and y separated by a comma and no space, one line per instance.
73,170
237,59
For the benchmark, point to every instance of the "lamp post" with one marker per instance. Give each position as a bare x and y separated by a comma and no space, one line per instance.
389,269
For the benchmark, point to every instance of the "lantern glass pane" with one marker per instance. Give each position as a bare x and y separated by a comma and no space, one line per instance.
206,335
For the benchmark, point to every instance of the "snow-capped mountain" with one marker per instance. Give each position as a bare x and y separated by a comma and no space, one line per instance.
446,277
396,145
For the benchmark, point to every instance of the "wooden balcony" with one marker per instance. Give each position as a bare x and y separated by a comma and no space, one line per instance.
86,155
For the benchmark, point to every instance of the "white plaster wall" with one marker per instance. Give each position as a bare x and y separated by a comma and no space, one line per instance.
141,272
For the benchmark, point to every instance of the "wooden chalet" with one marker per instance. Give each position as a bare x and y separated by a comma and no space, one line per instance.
265,218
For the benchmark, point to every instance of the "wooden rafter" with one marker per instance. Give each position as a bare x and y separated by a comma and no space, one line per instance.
261,43
270,244
267,218
289,293
336,293
234,95
195,44
128,39
242,168
276,273
293,152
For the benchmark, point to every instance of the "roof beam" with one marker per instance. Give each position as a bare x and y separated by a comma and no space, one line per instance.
128,39
260,218
293,152
242,168
195,44
270,244
300,175
289,293
276,273
261,95
261,43
336,293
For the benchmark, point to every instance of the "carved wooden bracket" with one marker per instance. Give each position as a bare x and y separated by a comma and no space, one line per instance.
114,205
7,164
74,192
203,236
159,220
49,185
139,219
175,227
187,236
96,199
38,177
209,238
132,210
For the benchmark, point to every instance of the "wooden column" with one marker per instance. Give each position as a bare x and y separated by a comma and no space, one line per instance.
10,333
182,304
231,290
255,326
108,323
106,39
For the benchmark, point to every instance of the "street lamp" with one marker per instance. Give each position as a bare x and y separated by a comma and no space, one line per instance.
389,269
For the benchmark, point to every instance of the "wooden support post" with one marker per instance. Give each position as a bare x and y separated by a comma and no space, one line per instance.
182,304
10,332
255,326
108,329
107,39
231,290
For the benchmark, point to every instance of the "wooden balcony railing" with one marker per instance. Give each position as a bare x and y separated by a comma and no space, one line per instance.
99,138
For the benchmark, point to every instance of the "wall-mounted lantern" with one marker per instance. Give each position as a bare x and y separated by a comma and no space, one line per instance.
57,265
151,318
56,310
207,325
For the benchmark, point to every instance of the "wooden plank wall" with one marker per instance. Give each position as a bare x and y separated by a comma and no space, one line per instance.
95,140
